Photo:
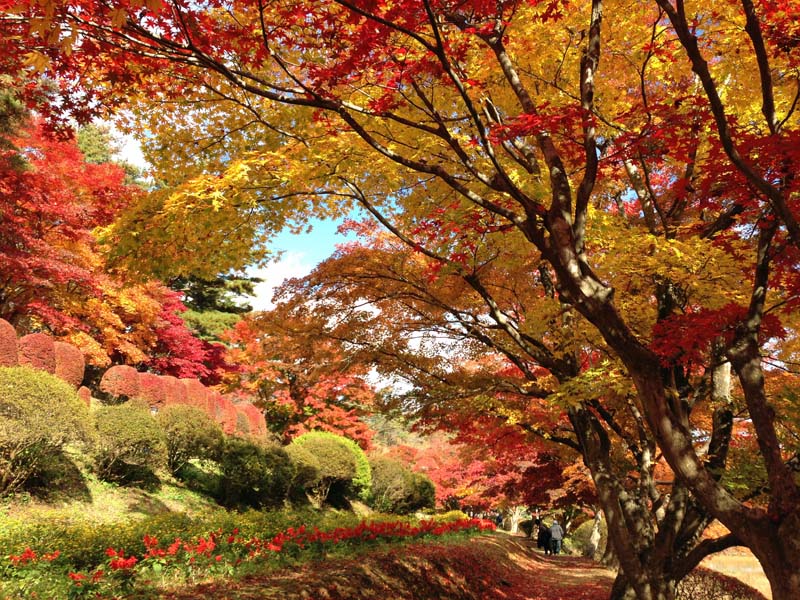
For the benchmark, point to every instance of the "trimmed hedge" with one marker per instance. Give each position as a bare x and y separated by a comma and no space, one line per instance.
70,364
175,391
128,436
190,433
120,383
397,489
253,474
152,389
8,345
343,464
38,351
39,415
196,393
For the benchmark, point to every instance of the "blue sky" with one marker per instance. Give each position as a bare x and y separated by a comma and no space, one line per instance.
301,253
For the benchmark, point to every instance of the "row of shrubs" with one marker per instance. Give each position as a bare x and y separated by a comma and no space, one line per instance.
40,416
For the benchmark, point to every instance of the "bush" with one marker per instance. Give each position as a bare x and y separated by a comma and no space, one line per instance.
253,474
344,468
398,489
152,389
39,415
305,467
38,351
70,364
450,516
128,436
175,391
705,584
190,433
119,384
8,345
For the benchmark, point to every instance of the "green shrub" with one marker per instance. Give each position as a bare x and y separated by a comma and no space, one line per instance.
39,415
83,544
253,474
344,468
306,469
450,516
128,437
190,433
398,489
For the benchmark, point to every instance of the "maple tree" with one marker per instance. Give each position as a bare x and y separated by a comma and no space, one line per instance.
55,276
302,383
510,396
452,121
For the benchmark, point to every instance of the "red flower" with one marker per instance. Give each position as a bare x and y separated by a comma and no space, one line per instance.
77,577
123,563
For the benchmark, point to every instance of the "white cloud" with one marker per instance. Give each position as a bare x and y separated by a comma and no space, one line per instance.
130,151
291,264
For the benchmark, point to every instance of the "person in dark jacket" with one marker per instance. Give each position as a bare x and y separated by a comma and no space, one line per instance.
556,535
543,538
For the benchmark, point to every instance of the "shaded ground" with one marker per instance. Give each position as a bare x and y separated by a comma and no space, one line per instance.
494,567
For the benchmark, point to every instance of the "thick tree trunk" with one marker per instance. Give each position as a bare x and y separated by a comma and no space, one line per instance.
656,589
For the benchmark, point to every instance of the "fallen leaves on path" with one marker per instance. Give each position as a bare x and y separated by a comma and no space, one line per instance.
497,566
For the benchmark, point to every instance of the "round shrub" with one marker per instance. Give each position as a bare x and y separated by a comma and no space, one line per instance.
128,436
306,469
190,433
8,345
39,414
253,474
70,364
343,465
398,489
119,383
38,351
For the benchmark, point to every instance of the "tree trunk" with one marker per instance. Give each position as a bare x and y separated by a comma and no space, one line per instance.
594,536
654,588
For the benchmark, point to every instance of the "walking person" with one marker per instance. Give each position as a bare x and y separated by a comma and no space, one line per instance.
556,535
543,538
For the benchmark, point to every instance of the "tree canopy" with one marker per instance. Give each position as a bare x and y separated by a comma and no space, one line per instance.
639,159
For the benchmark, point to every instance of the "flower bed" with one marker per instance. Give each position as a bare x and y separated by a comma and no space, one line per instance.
31,574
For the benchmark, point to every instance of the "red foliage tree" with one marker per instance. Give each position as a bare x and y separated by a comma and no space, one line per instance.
70,364
37,350
49,208
301,386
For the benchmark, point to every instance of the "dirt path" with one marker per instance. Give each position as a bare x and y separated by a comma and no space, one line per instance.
496,567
